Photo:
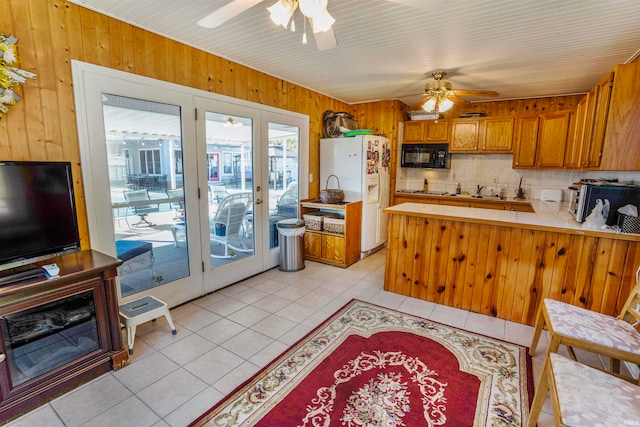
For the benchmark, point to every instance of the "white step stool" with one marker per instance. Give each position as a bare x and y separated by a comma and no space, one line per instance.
140,311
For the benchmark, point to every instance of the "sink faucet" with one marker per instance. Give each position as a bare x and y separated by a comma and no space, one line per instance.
479,189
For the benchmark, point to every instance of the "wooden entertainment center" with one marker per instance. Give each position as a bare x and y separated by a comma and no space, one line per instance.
58,333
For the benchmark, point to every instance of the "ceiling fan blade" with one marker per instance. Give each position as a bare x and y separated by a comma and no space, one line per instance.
226,12
428,5
463,92
326,39
458,101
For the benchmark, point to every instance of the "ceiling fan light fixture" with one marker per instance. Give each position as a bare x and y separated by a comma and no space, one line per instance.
282,11
444,105
313,8
322,22
430,105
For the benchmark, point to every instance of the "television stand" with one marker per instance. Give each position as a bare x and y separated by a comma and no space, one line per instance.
17,274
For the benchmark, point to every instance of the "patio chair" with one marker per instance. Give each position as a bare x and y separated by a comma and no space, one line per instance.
288,203
584,396
178,206
615,337
226,226
141,210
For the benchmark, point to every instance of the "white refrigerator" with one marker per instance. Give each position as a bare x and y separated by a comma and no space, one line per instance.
361,164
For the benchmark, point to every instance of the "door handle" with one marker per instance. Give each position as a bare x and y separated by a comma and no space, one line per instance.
258,202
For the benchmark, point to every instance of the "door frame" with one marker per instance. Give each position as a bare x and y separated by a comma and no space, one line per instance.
89,77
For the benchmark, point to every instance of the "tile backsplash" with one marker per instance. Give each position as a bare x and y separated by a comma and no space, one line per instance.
494,171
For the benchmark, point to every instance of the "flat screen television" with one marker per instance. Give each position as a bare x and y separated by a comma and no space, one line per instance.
37,215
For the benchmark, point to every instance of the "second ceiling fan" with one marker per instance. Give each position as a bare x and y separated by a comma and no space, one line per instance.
314,10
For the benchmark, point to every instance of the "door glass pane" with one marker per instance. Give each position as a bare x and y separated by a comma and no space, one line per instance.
144,154
229,152
284,144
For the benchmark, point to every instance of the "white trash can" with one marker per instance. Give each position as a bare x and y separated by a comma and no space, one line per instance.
291,233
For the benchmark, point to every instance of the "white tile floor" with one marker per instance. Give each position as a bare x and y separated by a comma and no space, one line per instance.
225,337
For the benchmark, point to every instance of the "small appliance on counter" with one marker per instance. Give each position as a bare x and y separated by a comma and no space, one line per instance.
584,196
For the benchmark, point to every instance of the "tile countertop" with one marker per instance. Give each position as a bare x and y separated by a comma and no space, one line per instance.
548,216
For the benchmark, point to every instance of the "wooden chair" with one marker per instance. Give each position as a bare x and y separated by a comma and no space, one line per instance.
584,396
141,210
227,225
615,337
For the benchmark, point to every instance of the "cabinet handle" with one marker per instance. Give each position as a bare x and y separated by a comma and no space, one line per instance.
2,357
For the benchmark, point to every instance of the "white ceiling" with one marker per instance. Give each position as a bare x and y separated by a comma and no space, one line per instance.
520,48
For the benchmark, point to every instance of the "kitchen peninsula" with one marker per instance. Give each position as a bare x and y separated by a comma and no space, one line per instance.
503,263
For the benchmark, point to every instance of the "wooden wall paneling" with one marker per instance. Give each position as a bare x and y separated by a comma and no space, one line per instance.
564,245
53,148
441,258
512,256
628,279
460,260
502,268
407,252
103,41
417,280
534,289
569,283
29,133
481,262
425,257
613,279
470,260
453,266
89,37
393,252
116,36
584,267
489,273
523,280
600,273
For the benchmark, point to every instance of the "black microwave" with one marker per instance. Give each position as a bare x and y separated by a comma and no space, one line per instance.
430,156
617,195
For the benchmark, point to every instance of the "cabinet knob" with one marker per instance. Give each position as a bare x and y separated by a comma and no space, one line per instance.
2,357
517,163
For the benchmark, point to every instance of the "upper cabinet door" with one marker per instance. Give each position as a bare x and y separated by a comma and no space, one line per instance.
526,140
497,135
552,139
427,131
464,135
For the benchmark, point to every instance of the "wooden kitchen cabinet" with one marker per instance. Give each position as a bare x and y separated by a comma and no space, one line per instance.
427,131
490,135
464,135
620,149
342,249
552,140
496,135
573,152
526,142
596,122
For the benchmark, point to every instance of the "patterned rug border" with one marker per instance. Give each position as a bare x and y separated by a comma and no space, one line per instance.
202,419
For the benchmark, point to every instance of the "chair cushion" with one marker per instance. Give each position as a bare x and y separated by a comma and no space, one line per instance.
589,397
128,249
591,326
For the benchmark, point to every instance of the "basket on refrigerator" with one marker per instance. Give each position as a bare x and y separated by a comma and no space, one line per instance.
331,195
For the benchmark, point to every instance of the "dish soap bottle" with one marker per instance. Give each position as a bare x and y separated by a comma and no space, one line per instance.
458,188
426,185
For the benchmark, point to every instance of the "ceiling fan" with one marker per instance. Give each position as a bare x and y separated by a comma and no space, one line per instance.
439,95
314,10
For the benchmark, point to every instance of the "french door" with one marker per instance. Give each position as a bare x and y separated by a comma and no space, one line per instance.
185,187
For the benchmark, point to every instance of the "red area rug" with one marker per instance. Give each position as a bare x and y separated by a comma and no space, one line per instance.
370,366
